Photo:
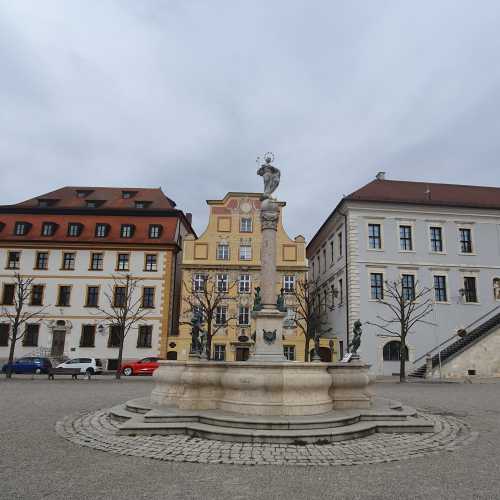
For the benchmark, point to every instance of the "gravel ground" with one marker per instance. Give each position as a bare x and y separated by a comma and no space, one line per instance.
36,463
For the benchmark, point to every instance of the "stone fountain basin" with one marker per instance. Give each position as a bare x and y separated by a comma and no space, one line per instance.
262,388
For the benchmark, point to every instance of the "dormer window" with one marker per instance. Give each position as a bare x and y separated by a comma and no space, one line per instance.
21,228
45,202
142,204
48,228
83,193
101,230
94,203
128,194
74,229
155,231
127,230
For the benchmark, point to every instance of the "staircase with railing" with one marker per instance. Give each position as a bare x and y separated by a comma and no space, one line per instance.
459,342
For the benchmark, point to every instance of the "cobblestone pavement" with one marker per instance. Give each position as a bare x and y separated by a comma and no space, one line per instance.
97,430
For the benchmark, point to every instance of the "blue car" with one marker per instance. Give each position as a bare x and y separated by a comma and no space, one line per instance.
29,365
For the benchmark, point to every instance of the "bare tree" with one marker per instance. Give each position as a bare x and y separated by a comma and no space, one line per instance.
17,315
407,305
210,299
124,309
311,303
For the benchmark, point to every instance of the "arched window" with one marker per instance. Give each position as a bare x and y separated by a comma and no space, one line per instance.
496,288
392,349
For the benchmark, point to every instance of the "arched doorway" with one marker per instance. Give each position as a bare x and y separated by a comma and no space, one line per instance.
391,356
172,355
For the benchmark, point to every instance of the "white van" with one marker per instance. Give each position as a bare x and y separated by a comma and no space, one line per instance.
92,366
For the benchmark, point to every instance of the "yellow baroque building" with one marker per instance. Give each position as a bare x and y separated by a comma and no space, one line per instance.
229,250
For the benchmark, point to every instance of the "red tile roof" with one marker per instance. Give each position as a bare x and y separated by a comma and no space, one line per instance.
111,198
428,193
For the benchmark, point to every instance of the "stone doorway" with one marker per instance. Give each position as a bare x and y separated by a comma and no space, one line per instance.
58,339
242,353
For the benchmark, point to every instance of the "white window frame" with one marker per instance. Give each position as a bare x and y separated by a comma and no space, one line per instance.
410,272
222,251
443,239
218,350
370,272
287,279
221,313
367,229
411,225
244,229
244,312
436,272
247,283
222,279
472,238
245,252
287,350
198,282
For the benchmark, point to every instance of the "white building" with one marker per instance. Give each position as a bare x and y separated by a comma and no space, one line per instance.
72,241
444,237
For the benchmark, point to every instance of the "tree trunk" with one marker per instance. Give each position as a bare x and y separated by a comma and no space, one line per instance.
402,360
13,341
118,374
306,349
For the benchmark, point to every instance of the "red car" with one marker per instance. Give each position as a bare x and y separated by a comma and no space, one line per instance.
145,366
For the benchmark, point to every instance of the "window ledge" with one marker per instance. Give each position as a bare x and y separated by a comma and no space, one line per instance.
467,253
407,251
374,249
431,252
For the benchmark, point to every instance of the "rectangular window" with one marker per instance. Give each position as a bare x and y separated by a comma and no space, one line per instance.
341,292
154,231
4,334
288,283
13,259
408,286
405,238
126,231
222,283
92,299
245,252
42,260
376,286
289,352
221,315
198,282
244,315
244,283
64,296
30,337
219,352
36,295
48,229
122,262
341,250
145,336
21,228
440,294
222,252
148,297
114,336
332,251
74,229
87,338
245,225
8,294
150,262
68,263
374,236
101,230
465,236
436,239
470,289
120,296
96,261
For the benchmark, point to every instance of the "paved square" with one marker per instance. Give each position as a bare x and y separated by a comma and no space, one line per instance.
37,463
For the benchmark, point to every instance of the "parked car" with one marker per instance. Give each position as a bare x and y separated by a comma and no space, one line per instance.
29,364
86,365
145,366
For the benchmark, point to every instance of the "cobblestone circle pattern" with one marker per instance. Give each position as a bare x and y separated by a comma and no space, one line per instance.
96,430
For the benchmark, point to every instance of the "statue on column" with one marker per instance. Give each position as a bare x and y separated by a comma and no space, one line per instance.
356,338
271,176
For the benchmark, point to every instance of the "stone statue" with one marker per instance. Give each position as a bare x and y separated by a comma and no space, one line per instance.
257,301
280,302
271,176
196,322
356,339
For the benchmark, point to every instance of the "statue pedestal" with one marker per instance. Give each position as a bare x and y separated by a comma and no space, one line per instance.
268,336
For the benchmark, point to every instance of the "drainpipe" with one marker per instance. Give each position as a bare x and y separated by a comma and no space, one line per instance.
346,250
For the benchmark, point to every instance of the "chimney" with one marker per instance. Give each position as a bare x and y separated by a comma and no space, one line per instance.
380,176
189,217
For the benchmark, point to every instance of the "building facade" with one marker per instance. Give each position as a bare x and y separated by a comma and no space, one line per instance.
77,243
439,236
229,252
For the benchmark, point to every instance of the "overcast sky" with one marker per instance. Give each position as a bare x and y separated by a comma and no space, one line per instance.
186,94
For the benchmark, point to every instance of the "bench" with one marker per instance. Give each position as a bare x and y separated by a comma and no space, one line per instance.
74,372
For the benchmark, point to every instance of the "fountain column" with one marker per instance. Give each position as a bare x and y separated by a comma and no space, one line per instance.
268,320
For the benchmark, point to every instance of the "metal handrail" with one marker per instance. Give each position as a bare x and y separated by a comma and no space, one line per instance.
455,335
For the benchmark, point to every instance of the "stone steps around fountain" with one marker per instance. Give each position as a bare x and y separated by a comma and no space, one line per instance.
140,417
